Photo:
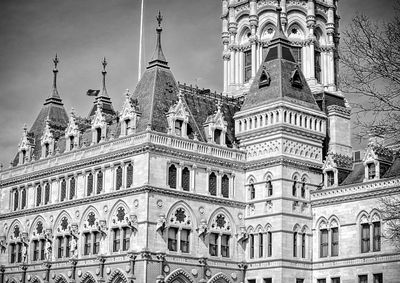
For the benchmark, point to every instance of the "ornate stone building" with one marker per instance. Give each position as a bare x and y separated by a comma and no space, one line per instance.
254,185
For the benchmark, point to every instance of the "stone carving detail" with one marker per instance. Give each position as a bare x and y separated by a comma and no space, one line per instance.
262,150
301,149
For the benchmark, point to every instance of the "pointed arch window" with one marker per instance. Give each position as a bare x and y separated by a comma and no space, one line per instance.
72,188
186,179
252,191
294,187
247,65
212,184
129,175
260,245
376,236
303,245
317,65
99,182
90,184
71,142
63,194
172,176
303,189
251,246
98,135
334,241
269,186
47,193
269,239
225,186
295,234
217,136
118,181
323,242
38,195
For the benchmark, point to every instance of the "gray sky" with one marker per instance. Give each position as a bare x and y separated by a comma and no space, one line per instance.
82,32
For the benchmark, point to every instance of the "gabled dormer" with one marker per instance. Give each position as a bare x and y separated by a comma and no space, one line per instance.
47,141
377,161
99,125
129,115
178,118
72,134
215,127
25,147
335,169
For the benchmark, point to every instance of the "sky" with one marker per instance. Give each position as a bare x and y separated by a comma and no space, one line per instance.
82,32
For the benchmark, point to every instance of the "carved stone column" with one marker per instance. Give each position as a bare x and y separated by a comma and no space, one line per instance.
203,262
24,267
161,259
243,267
47,264
132,261
73,262
2,270
101,260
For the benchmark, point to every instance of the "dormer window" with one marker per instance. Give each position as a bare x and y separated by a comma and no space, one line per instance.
46,149
178,127
23,156
330,175
371,171
217,136
71,142
127,122
98,135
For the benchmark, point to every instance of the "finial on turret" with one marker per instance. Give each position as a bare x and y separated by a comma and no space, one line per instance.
159,19
158,57
104,73
279,10
55,71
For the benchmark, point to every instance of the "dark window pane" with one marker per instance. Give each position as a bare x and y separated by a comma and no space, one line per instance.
96,243
295,244
118,181
213,244
185,240
116,240
377,236
38,195
247,65
212,184
260,245
378,278
90,184
126,238
72,188
173,239
365,238
324,243
362,278
225,245
23,198
172,177
129,175
251,242
16,199
87,243
47,193
269,234
335,241
63,190
99,182
185,179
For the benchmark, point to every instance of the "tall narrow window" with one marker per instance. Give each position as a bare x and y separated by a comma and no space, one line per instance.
172,176
126,236
46,149
16,199
23,198
72,188
225,245
98,135
371,171
38,195
129,175
225,186
212,184
96,242
303,245
118,181
46,193
247,66
67,245
251,245
377,236
13,252
173,239
260,245
89,184
185,179
365,238
35,250
294,188
362,278
185,240
71,142
269,188
295,244
269,234
116,239
303,190
217,136
99,182
178,127
335,241
63,194
317,65
42,248
213,244
87,243
331,178
60,245
126,124
297,54
324,243
252,191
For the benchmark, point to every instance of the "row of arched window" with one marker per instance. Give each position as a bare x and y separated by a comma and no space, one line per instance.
94,181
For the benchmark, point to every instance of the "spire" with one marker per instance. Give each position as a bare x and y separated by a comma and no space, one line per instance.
279,34
158,57
104,73
55,71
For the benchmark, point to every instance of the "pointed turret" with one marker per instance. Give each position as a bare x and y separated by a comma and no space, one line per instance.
279,77
157,90
103,97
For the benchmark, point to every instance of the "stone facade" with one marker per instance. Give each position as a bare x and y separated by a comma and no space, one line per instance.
184,185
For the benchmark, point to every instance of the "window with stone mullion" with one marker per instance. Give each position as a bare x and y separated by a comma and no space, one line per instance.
99,187
172,173
365,238
129,175
225,186
186,179
72,188
23,198
47,193
38,195
90,184
118,181
212,184
16,199
126,235
63,194
324,243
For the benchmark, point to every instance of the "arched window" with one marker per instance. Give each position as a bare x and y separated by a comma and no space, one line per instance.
295,234
179,231
294,187
63,239
39,243
323,242
303,188
99,182
98,135
72,188
120,232
129,175
212,184
172,176
63,193
46,193
71,142
185,179
118,181
269,186
90,184
251,240
217,136
38,195
252,191
225,186
91,235
219,236
330,175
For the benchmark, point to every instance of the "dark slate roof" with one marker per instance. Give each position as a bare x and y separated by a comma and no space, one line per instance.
356,176
279,65
394,170
325,99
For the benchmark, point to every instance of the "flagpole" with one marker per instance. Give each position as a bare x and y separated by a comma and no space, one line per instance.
140,41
